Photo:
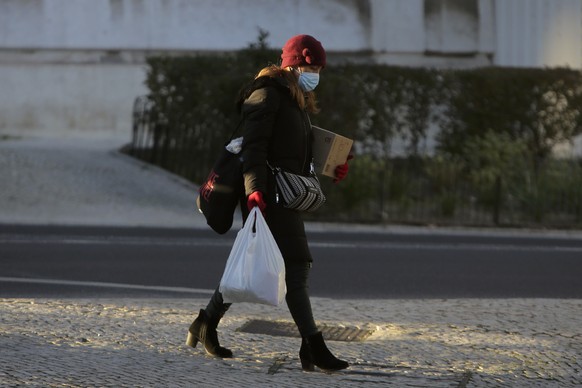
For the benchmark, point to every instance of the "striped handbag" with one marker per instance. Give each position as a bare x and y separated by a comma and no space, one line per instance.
302,193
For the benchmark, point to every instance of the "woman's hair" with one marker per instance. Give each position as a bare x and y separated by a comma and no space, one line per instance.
305,100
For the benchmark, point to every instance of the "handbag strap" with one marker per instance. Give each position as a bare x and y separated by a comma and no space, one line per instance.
276,170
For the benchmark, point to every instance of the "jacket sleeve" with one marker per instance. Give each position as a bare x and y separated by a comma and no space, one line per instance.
260,113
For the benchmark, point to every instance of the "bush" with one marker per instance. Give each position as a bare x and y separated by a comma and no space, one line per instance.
540,107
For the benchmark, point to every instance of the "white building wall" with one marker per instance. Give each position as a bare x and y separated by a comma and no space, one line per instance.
77,65
61,98
397,26
176,24
539,33
437,33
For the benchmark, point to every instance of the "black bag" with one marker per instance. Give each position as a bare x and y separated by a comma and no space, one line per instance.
298,192
221,192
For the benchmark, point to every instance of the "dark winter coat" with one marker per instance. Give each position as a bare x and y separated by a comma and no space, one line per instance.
277,130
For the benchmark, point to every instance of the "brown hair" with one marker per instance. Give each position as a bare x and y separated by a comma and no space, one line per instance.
305,100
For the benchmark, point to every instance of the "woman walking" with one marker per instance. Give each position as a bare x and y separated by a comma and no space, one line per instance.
277,130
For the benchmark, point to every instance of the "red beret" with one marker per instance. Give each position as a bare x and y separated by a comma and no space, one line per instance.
303,50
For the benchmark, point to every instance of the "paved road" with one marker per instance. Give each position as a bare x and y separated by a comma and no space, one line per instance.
473,343
348,265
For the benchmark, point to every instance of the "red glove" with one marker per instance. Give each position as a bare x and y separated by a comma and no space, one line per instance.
256,199
341,171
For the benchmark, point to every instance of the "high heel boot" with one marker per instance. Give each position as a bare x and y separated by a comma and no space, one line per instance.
204,330
314,352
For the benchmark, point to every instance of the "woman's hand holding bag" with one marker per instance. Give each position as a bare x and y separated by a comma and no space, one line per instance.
255,270
256,199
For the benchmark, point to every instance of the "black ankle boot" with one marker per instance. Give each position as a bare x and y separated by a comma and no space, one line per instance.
305,356
203,330
314,352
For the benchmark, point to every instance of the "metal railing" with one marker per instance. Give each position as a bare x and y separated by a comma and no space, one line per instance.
387,192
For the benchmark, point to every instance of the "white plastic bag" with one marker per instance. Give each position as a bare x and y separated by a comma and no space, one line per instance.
255,270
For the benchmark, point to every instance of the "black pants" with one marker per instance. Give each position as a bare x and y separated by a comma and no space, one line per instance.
297,298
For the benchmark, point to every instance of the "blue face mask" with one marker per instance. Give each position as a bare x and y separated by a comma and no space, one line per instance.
308,81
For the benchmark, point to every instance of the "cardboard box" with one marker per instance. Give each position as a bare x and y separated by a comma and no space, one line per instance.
329,151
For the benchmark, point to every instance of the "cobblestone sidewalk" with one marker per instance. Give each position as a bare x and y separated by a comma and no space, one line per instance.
416,343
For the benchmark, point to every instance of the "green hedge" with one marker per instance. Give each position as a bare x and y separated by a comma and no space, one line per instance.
496,129
540,107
